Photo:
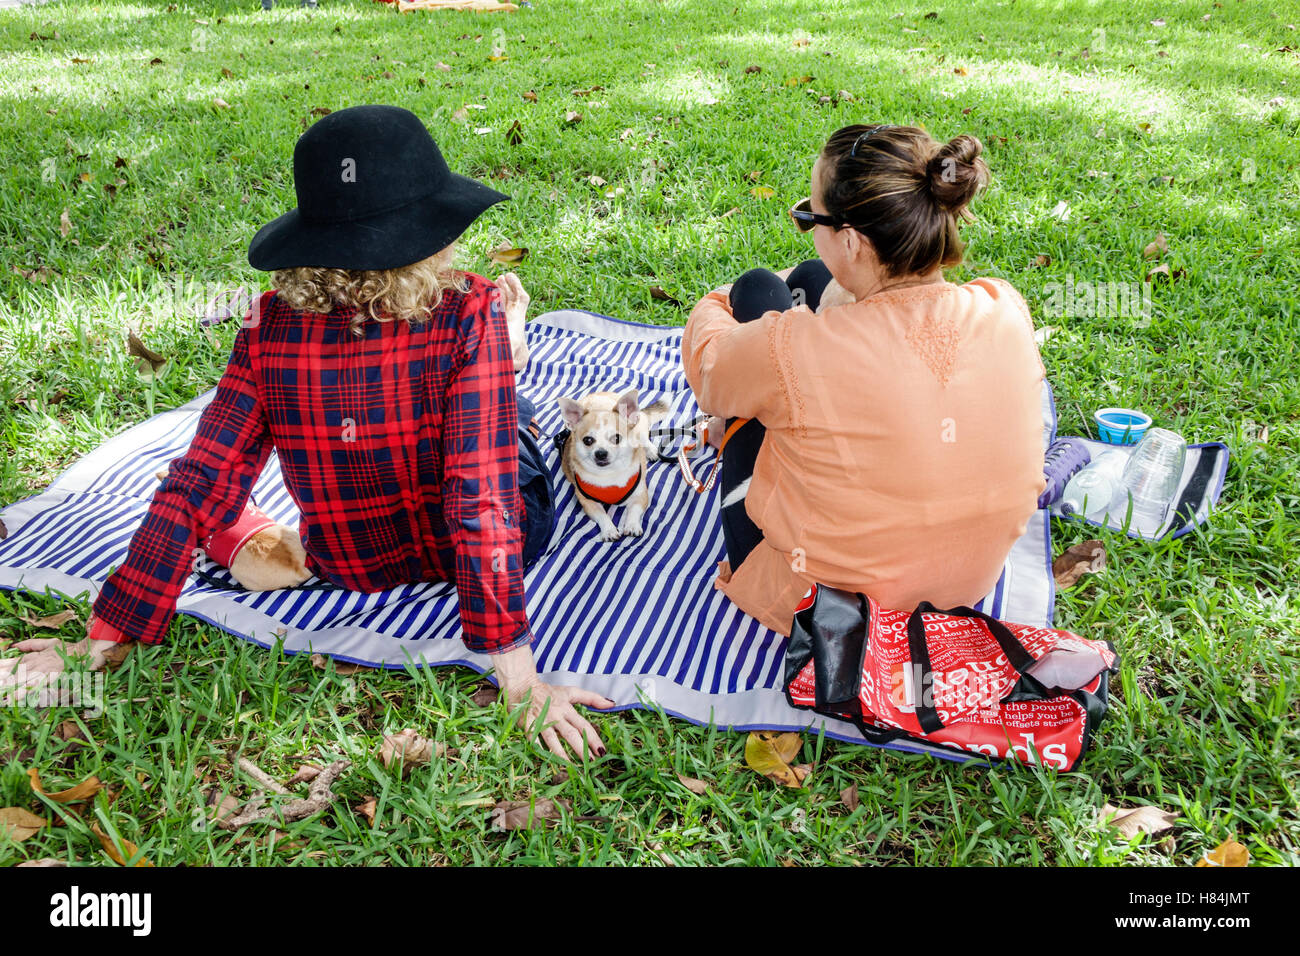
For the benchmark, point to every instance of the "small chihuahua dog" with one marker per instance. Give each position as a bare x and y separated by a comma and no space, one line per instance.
605,456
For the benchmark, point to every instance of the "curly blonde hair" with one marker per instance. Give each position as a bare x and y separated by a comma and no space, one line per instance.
408,292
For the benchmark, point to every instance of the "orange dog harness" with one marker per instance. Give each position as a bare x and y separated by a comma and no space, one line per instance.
608,494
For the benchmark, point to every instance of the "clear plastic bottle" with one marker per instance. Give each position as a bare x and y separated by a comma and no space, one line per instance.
1092,490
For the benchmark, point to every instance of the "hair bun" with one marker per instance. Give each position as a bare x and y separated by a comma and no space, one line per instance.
956,172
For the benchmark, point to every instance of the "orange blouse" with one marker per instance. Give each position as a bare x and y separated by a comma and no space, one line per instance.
903,455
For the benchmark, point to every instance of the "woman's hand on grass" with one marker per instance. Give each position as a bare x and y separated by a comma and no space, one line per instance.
41,660
550,708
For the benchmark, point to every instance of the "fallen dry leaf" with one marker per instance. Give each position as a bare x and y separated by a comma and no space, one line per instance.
698,787
1042,335
82,791
515,134
20,824
1227,853
409,749
658,293
849,797
65,224
307,772
129,848
367,809
222,808
529,96
1136,820
770,753
446,68
220,104
55,621
1060,211
485,696
572,117
40,275
148,361
44,861
507,255
762,192
342,668
525,814
1086,557
1163,273
459,115
1042,259
1156,247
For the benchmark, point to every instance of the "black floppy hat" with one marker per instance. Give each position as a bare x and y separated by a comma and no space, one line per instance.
373,193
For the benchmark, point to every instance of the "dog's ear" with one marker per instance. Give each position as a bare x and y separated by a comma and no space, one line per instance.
571,411
628,406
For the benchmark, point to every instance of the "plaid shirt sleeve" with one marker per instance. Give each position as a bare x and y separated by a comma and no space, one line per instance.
481,500
205,490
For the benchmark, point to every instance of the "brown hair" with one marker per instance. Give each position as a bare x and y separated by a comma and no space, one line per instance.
408,292
903,190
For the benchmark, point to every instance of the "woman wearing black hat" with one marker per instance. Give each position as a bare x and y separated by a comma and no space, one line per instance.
384,380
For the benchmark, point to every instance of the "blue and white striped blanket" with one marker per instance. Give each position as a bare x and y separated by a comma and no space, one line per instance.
637,620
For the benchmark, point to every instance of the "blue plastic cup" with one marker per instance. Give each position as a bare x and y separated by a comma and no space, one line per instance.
1121,426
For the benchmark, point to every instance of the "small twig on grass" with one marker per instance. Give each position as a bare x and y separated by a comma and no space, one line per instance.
319,797
261,776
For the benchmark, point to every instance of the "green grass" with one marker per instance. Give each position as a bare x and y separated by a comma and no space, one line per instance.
1204,716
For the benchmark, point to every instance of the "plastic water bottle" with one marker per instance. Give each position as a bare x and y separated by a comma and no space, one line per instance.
1091,491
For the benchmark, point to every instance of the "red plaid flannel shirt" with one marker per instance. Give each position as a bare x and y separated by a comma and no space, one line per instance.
399,447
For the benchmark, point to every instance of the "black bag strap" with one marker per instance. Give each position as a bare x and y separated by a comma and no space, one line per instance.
926,714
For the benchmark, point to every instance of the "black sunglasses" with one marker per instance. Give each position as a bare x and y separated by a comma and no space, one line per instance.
804,218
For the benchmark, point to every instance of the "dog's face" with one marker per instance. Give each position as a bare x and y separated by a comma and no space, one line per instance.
605,432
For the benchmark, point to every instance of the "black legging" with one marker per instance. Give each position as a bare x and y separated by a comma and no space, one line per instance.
756,292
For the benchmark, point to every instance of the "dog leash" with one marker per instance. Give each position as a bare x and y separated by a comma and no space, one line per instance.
683,456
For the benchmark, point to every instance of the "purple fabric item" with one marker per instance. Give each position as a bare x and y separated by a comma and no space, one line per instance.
1063,458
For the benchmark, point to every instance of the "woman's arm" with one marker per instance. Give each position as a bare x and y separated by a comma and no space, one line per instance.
482,507
732,366
480,497
205,490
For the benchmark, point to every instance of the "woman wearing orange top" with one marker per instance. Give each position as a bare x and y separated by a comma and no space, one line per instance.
897,443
